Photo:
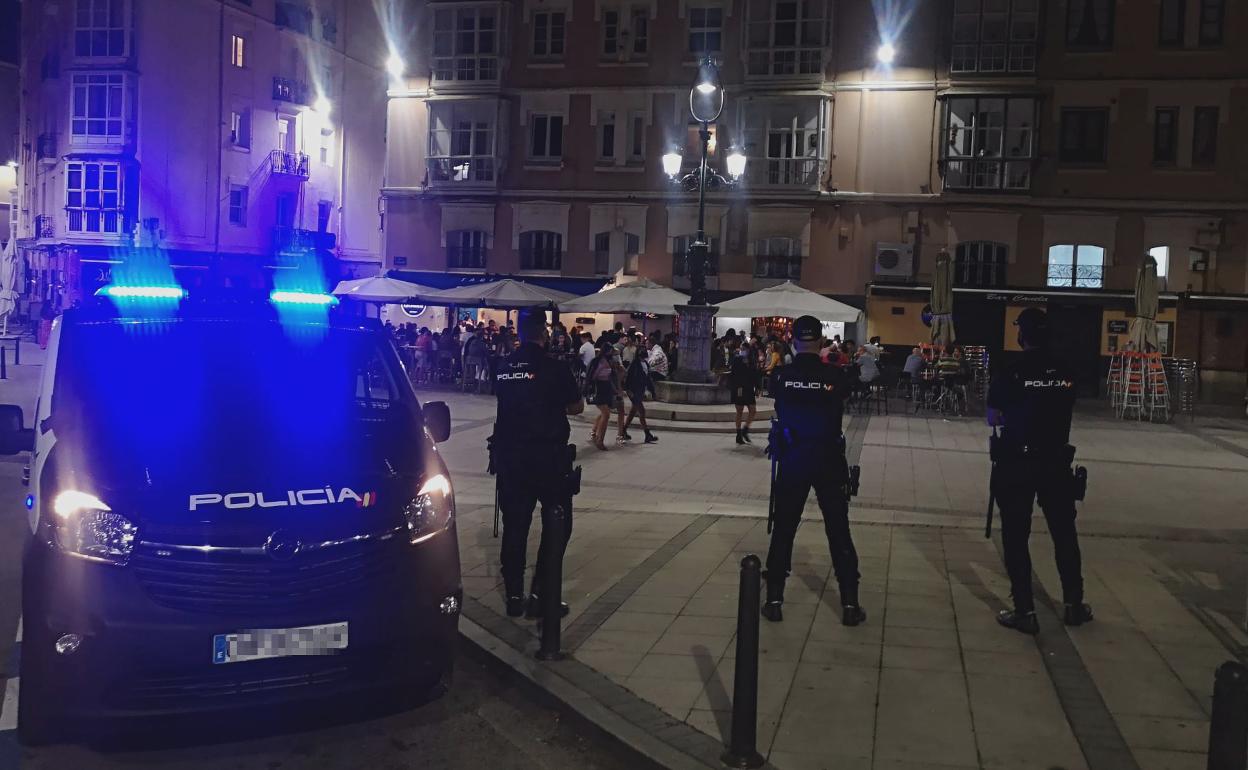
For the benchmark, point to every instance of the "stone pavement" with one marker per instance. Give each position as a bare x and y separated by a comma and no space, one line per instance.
930,680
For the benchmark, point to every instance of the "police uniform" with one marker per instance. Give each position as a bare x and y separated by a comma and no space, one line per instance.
1033,457
532,459
809,450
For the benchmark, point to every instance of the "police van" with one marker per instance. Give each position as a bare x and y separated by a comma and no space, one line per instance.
233,503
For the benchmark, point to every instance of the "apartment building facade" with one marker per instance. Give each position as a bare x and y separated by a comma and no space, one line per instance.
1047,144
224,139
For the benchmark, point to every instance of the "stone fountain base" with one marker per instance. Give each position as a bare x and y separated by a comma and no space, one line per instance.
673,392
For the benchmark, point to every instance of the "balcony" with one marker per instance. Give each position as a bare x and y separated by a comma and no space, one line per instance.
780,268
804,173
285,163
290,90
465,170
293,239
465,70
45,148
44,227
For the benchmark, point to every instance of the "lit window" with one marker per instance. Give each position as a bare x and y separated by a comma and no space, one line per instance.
545,137
995,35
100,28
1161,255
988,143
706,30
240,128
238,205
541,250
1078,266
93,197
548,35
237,50
98,107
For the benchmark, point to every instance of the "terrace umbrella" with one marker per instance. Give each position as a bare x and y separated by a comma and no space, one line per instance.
505,294
9,279
641,296
942,301
1143,332
788,300
382,290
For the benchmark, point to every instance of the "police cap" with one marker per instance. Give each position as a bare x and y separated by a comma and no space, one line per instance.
1032,319
807,329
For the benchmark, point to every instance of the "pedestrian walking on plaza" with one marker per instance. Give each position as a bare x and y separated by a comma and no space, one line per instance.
1033,401
603,384
637,382
809,450
531,456
742,378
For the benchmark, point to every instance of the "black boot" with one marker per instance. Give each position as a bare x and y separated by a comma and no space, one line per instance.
852,613
1077,614
775,600
1023,622
515,606
745,434
651,438
740,436
534,608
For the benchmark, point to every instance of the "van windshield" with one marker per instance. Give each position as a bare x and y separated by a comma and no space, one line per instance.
222,394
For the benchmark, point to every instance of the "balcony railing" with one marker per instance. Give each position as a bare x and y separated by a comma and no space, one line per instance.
463,169
680,264
789,268
465,69
288,239
784,172
290,90
1077,276
45,150
289,163
44,227
465,258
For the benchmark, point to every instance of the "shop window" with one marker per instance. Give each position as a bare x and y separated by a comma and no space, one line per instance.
1076,265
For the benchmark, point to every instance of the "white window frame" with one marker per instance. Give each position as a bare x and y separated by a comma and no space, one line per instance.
705,31
981,169
799,59
238,50
92,19
470,140
84,84
988,41
79,209
237,211
546,120
631,27
1091,280
550,40
450,63
240,128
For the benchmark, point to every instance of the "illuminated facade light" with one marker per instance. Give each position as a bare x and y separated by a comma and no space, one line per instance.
885,54
143,292
395,66
302,298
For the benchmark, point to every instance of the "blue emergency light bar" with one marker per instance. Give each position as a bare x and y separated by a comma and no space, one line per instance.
142,292
302,298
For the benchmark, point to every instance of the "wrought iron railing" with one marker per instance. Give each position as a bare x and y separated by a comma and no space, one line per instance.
784,172
1077,276
44,228
290,90
295,239
289,163
462,169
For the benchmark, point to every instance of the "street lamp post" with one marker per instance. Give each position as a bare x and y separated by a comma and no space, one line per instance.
706,102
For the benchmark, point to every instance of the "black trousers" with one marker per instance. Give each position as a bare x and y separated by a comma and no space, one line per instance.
520,488
1018,482
797,473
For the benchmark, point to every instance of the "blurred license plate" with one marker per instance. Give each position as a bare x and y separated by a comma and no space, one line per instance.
279,643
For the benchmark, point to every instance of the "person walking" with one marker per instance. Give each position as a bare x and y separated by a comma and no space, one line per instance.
530,453
604,392
656,359
809,450
742,379
1033,401
637,382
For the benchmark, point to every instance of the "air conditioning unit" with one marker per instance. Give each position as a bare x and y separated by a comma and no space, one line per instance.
894,260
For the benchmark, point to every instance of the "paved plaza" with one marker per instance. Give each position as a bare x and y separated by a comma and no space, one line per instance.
930,680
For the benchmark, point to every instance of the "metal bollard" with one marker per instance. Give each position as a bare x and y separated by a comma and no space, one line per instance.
1228,726
743,740
552,584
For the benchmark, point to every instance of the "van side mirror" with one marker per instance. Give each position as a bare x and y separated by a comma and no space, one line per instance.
438,420
14,435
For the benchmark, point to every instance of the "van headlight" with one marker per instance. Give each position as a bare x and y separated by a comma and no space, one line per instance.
431,511
85,526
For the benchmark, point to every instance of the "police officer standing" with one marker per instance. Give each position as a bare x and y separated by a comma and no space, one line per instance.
1033,401
809,450
531,455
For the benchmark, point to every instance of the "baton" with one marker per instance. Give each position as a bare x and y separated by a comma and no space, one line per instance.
992,493
495,508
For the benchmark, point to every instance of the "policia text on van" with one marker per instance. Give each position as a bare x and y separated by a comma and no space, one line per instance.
233,505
